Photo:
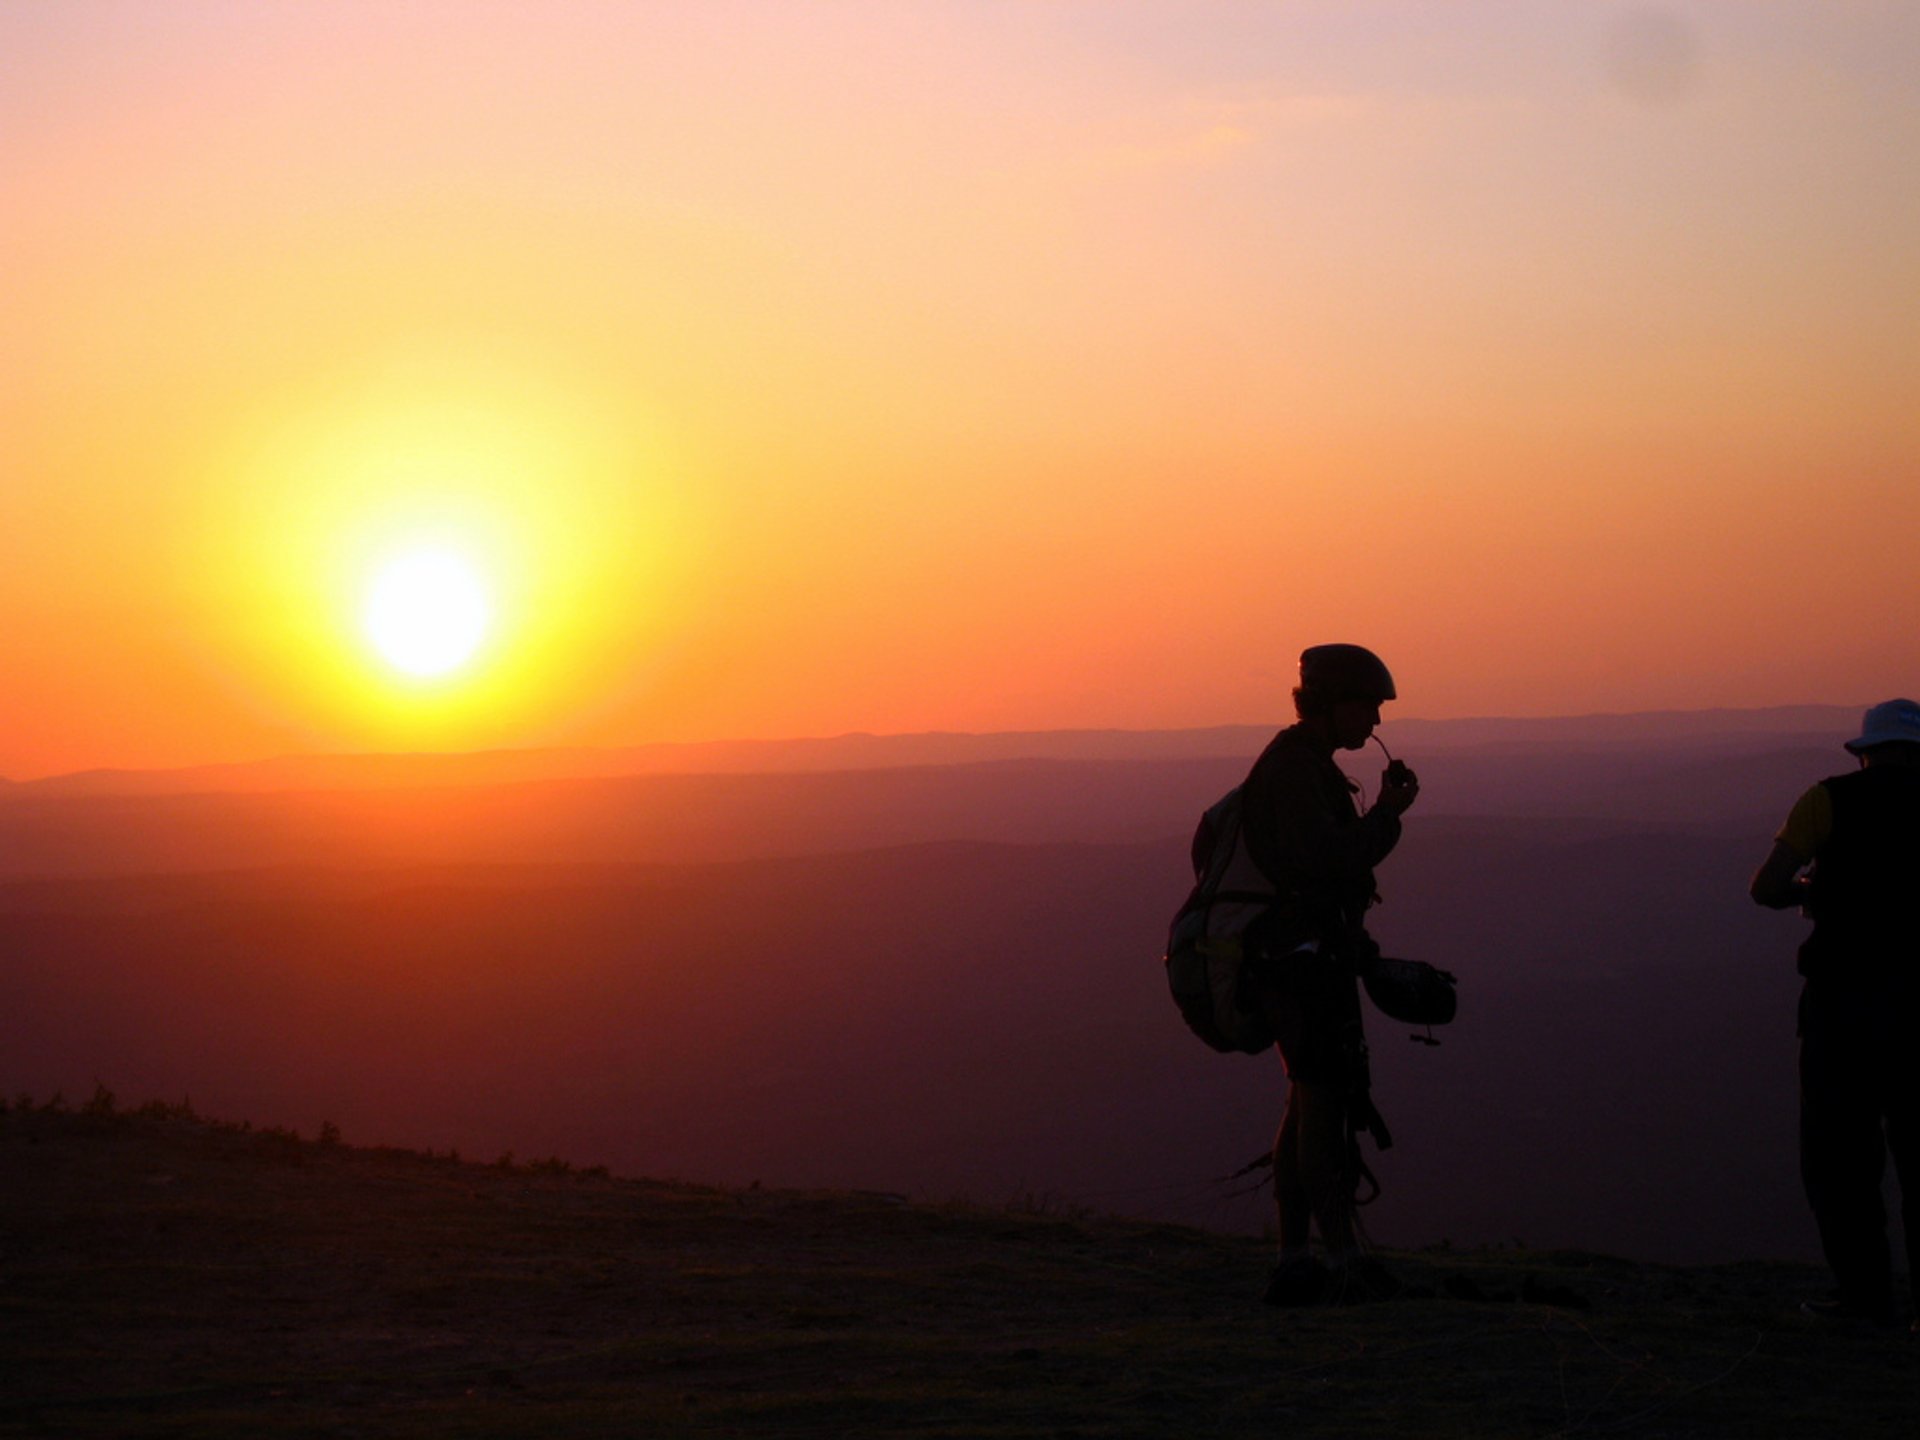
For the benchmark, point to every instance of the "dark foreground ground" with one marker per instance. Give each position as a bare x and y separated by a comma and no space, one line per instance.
164,1276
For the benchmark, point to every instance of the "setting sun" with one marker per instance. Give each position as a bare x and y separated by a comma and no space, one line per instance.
426,612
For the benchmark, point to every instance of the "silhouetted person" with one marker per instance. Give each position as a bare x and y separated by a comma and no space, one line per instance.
1318,851
1857,838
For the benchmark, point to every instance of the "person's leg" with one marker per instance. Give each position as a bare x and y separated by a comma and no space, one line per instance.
1903,1138
1900,1103
1321,1147
1313,1179
1299,1279
1327,1154
1291,1203
1842,1162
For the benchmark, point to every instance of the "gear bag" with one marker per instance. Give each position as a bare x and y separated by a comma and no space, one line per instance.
1208,943
1234,916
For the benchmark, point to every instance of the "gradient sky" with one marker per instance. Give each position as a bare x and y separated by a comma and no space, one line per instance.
795,369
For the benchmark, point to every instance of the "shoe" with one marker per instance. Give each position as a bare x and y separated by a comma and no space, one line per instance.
1845,1312
1297,1282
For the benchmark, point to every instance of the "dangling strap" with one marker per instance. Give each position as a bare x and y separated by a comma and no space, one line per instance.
1364,1118
1362,1176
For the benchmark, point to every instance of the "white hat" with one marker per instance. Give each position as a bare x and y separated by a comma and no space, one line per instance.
1887,722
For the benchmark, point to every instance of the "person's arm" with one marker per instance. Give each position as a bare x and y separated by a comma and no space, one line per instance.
1778,883
1308,837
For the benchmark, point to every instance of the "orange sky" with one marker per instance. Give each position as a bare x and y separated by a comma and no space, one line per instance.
791,370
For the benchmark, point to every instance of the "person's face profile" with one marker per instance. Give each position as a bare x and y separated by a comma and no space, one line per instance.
1354,722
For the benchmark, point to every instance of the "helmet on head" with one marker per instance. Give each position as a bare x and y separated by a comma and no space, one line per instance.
1345,672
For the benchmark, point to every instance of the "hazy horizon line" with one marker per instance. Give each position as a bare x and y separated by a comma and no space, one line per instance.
1809,712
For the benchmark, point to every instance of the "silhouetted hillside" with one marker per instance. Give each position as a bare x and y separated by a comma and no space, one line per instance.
984,1020
166,1276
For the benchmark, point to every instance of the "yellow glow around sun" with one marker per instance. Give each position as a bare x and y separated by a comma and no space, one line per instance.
426,612
458,546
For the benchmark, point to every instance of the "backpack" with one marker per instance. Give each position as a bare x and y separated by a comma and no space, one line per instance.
1207,944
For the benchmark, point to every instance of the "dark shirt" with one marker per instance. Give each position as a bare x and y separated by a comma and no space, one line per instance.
1864,893
1306,835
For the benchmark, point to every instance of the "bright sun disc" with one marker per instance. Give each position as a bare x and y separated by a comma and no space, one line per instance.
426,612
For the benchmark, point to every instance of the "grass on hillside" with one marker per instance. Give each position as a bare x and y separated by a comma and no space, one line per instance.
165,1275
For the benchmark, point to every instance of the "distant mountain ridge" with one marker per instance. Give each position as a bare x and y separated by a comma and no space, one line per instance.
1680,729
854,751
1738,770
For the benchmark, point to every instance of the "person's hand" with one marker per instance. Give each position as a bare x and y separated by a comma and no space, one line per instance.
1397,798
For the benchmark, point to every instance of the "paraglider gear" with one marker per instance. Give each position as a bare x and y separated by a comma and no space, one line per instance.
1410,991
1221,937
1345,672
